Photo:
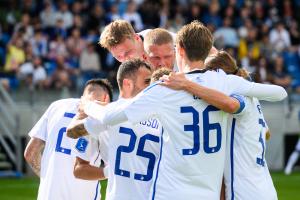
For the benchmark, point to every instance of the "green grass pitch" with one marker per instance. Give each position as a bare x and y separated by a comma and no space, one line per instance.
26,188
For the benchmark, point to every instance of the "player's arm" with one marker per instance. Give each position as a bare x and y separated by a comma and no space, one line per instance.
33,154
143,106
83,170
222,196
265,92
178,81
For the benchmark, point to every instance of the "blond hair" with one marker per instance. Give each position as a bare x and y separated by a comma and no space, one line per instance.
115,33
158,36
196,40
223,60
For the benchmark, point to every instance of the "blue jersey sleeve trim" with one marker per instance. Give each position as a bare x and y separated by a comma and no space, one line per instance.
241,100
151,86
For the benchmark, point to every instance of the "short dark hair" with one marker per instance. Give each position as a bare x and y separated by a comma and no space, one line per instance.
103,83
129,68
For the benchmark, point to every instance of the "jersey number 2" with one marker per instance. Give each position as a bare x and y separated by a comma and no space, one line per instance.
140,152
58,147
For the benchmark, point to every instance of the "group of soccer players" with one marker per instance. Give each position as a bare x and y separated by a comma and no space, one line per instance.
187,135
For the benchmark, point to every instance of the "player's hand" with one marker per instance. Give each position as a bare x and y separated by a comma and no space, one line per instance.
76,129
175,81
268,134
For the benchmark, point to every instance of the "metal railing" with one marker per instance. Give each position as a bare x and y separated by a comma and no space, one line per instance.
10,138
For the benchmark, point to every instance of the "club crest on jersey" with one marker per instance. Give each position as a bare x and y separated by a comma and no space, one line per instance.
81,145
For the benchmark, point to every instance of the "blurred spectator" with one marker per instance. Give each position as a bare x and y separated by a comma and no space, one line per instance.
193,13
33,73
226,36
113,14
279,37
294,33
15,55
39,44
61,76
75,46
213,17
150,13
133,16
57,48
48,15
96,18
262,72
65,14
78,24
280,77
25,27
89,60
59,29
176,24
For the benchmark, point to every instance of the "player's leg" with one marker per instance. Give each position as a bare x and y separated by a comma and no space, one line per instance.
293,159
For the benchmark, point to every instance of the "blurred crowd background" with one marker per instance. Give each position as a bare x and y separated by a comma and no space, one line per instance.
49,45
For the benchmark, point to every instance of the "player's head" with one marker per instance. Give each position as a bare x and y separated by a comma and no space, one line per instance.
223,60
159,73
98,89
193,43
133,76
119,38
159,47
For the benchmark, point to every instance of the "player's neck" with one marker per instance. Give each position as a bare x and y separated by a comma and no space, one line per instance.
125,95
193,65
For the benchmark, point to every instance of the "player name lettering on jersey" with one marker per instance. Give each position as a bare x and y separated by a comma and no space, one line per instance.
152,123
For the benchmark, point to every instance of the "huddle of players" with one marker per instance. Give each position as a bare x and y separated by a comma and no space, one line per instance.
158,143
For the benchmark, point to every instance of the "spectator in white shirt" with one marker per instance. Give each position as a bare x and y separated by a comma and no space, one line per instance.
280,38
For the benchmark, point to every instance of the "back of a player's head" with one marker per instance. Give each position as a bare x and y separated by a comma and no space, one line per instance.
196,40
223,60
93,85
159,73
115,33
129,69
157,36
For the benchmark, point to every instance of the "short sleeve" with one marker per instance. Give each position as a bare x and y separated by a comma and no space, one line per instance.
85,148
40,128
238,85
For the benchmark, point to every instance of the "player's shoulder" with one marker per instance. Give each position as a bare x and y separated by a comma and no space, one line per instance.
63,103
156,88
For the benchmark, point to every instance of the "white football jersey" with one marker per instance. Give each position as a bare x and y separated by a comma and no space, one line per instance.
131,155
56,177
246,171
193,142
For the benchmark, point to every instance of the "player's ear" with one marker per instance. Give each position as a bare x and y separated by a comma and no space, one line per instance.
180,51
106,98
136,37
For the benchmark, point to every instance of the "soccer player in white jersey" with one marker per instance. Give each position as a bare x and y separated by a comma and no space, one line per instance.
193,142
154,46
131,151
246,172
293,159
49,149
